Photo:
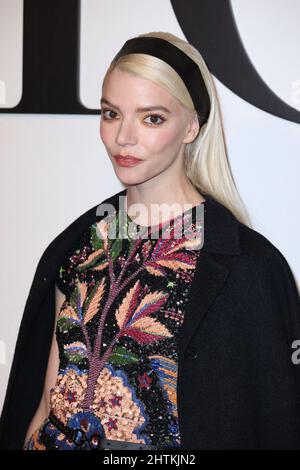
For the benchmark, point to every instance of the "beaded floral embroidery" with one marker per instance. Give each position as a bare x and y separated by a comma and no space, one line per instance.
117,334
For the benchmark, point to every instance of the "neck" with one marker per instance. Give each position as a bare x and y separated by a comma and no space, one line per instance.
146,206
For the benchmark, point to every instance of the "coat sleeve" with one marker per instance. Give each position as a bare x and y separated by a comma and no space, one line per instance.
286,300
27,374
270,304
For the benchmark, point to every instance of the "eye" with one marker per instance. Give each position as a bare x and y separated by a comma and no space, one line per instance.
155,116
104,110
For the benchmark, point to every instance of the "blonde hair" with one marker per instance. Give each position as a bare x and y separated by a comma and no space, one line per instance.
206,162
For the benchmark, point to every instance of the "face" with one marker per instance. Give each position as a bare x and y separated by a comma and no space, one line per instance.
157,137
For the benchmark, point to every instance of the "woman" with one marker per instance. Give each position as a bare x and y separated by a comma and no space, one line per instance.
156,338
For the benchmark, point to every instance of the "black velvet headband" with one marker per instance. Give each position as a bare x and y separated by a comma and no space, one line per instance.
186,68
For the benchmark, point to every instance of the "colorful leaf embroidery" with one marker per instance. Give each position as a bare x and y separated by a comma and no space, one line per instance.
151,303
75,351
166,254
96,242
147,335
133,316
121,356
152,268
101,266
69,312
82,290
190,244
124,311
65,324
152,327
102,232
180,260
92,259
116,248
96,297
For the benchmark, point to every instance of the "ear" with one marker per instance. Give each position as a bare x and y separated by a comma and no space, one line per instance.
193,129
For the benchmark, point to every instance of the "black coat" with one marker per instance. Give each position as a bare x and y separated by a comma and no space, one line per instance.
238,387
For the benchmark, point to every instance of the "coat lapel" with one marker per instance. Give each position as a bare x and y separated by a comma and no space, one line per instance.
208,280
219,250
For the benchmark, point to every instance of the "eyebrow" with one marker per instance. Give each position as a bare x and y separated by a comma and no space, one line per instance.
138,110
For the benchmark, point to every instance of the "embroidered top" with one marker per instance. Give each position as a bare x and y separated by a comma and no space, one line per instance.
118,330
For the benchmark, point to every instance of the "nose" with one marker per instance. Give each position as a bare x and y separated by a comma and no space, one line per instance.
126,133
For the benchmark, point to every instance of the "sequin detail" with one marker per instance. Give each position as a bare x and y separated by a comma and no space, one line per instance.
118,333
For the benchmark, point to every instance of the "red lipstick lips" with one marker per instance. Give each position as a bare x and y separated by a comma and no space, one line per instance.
127,160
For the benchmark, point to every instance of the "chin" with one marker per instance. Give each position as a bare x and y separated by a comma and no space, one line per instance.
129,179
129,176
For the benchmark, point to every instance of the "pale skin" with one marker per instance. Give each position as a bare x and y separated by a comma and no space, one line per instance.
43,409
160,178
